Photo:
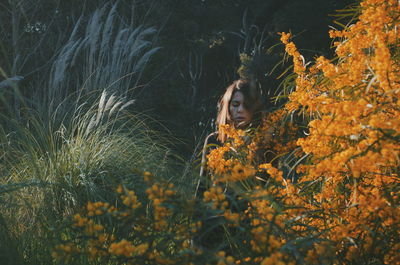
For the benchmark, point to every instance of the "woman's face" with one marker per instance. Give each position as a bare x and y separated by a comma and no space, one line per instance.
239,114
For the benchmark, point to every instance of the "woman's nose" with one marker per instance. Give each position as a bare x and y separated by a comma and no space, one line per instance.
240,108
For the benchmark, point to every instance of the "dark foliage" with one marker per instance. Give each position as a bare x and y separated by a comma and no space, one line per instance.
201,42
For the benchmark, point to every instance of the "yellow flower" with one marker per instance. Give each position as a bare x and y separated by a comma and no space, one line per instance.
241,172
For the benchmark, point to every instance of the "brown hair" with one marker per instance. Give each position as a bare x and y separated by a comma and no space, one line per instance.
252,102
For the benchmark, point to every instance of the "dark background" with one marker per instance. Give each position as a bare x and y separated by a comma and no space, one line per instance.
200,41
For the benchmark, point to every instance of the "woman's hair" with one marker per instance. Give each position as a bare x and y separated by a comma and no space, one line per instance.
252,102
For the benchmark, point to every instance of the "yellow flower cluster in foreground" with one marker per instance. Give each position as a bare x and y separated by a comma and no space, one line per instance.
134,236
127,249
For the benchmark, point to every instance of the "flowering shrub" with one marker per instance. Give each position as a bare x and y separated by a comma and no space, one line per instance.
341,207
344,205
353,145
132,231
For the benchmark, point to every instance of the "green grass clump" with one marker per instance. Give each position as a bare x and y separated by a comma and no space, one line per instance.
51,168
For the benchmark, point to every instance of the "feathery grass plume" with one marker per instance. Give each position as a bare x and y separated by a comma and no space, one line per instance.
108,56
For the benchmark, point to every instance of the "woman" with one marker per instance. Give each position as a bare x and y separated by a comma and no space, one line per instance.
240,106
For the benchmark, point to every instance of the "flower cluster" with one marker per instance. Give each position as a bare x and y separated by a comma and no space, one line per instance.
133,230
159,195
231,162
127,249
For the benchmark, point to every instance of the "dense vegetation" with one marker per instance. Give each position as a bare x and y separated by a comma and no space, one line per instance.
105,107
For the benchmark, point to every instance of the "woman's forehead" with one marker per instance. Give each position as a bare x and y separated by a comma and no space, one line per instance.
237,96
